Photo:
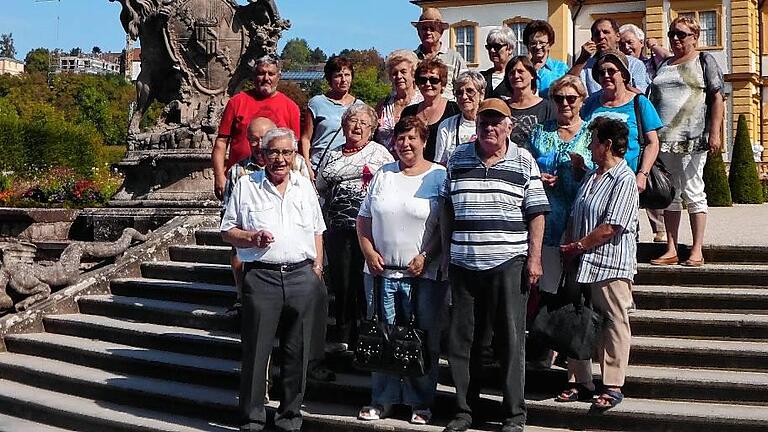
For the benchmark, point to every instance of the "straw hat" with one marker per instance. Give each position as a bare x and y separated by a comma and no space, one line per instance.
431,16
619,59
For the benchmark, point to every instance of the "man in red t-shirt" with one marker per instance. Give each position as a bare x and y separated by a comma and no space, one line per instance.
262,101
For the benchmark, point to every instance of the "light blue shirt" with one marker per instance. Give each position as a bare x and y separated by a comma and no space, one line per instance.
326,114
552,71
637,71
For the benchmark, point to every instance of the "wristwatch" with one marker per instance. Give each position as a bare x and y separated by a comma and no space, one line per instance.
579,246
424,254
645,173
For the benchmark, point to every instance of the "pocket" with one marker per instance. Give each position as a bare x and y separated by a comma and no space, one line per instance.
303,214
258,216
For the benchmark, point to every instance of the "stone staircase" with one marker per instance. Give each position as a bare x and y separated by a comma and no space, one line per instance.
160,353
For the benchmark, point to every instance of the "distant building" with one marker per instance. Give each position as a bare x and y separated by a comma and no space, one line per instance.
90,64
11,66
133,64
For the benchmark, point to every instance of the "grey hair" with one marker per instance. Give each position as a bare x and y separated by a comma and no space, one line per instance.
278,133
472,77
268,59
398,56
502,35
640,34
361,109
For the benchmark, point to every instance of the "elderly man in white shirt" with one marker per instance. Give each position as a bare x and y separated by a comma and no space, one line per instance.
273,218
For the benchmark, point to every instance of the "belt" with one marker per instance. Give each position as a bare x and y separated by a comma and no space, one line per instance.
276,267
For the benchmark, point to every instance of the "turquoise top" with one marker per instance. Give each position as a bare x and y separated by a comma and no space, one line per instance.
552,71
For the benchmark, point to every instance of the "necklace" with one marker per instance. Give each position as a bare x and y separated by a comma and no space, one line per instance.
346,151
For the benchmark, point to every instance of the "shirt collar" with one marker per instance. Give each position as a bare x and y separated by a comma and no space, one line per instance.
261,178
613,172
549,64
420,53
512,151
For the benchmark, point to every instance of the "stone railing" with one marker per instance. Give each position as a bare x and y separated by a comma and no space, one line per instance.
37,224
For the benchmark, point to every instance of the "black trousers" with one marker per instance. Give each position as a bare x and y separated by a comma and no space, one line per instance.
278,304
345,276
495,297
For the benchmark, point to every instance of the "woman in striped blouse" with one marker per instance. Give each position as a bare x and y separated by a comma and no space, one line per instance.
601,236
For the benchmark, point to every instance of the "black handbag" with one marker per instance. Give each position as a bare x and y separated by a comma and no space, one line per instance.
659,192
393,349
568,324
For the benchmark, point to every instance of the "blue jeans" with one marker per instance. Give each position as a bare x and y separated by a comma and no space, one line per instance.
419,393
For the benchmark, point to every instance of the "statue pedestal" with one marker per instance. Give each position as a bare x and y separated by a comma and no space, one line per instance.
166,179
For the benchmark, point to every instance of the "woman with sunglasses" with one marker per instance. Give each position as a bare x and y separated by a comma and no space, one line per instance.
500,45
539,37
469,89
342,183
684,83
616,100
431,78
528,109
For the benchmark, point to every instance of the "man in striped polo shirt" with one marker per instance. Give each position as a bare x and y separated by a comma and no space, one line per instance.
493,225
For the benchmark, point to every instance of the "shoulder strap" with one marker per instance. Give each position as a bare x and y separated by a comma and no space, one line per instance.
639,121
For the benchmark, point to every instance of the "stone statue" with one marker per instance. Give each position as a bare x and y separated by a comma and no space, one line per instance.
195,54
34,281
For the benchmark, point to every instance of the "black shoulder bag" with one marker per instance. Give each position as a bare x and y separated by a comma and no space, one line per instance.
659,192
393,349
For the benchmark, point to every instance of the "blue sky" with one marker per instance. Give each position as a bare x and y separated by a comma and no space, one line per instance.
330,24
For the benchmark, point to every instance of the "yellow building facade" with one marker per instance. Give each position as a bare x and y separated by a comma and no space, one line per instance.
731,32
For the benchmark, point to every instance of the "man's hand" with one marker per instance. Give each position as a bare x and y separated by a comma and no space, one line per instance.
715,143
549,180
375,263
218,186
261,239
318,269
642,182
416,265
534,270
570,251
587,50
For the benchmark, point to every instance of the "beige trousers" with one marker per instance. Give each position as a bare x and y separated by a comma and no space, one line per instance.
613,298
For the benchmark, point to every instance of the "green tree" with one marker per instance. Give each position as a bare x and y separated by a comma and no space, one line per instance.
75,51
96,50
37,61
743,178
716,181
317,56
7,49
296,54
368,86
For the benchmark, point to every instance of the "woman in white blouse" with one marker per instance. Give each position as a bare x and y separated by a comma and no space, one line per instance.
469,90
398,232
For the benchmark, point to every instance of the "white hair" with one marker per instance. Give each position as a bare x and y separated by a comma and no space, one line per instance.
475,78
640,34
278,133
502,35
268,59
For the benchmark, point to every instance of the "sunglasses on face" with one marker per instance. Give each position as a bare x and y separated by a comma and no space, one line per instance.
609,71
496,47
537,45
560,98
679,34
421,80
469,92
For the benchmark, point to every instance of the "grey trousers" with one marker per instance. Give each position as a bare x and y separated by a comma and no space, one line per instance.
277,304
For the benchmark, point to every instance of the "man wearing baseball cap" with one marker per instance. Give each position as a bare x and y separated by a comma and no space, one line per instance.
430,28
493,222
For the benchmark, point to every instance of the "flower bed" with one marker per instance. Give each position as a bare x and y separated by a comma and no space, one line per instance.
59,188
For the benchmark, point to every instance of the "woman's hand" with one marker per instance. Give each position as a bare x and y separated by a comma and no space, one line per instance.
571,251
416,265
375,263
642,182
549,180
577,162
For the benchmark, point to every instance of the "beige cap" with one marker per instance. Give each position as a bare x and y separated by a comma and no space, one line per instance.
495,104
431,16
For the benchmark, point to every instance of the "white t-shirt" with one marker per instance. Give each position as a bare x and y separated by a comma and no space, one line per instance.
446,136
402,210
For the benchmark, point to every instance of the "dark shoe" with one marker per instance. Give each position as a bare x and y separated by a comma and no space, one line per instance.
607,400
459,424
575,394
512,427
321,373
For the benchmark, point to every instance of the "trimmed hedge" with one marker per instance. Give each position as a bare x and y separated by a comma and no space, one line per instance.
743,178
716,181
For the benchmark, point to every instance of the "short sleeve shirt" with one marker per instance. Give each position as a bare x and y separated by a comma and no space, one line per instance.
526,118
326,115
637,71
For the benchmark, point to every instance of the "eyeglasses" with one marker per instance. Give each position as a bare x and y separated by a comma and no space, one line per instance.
276,153
421,80
429,28
609,71
560,98
537,45
469,92
495,46
679,34
358,122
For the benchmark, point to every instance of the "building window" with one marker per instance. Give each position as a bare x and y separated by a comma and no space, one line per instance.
521,48
709,22
465,42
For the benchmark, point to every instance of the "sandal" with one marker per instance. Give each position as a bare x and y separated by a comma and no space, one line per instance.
608,399
421,416
577,393
370,412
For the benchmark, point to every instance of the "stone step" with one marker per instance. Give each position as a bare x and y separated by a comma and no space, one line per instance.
42,407
712,253
201,253
209,237
708,274
700,297
703,353
709,325
160,312
186,340
162,289
220,274
16,424
134,390
193,369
